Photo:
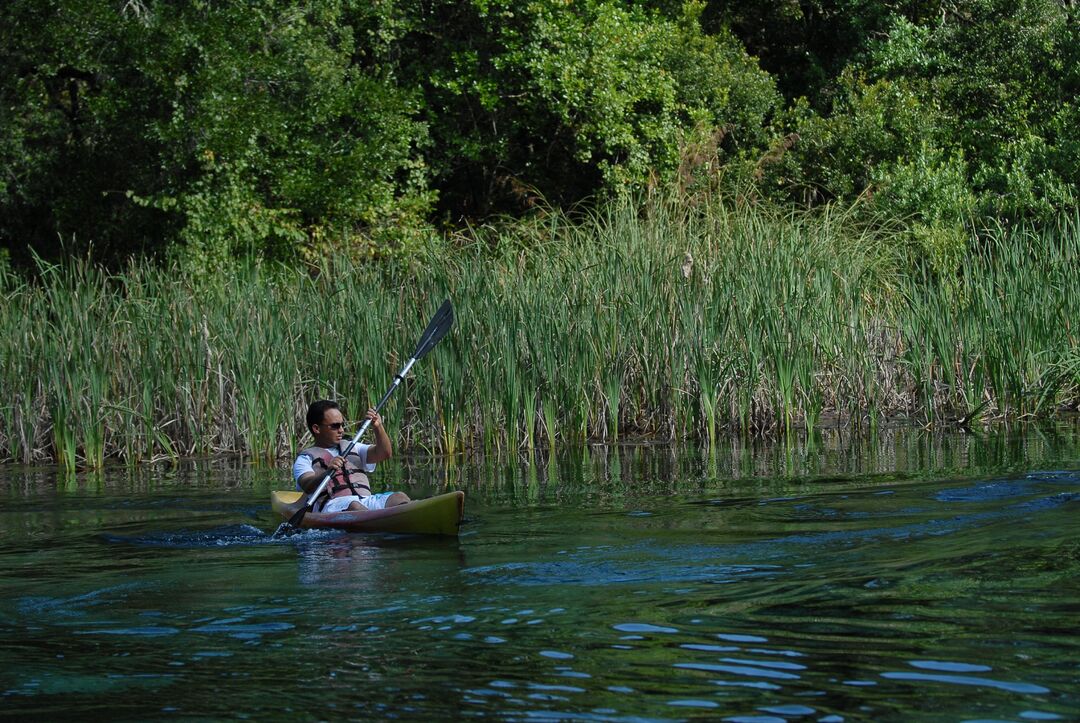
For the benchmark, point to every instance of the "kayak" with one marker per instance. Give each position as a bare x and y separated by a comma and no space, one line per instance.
439,515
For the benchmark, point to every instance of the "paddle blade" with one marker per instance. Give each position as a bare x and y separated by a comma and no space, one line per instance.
436,329
296,520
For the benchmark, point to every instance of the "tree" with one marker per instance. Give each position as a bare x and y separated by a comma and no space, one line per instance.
73,109
954,118
227,128
576,100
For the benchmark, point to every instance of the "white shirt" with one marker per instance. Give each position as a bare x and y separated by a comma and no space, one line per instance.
302,465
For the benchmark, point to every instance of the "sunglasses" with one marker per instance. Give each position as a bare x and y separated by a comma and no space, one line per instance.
335,426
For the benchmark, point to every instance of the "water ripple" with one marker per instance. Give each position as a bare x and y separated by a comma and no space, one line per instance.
643,628
968,680
747,670
148,631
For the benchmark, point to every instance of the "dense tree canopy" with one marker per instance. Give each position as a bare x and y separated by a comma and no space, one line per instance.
219,130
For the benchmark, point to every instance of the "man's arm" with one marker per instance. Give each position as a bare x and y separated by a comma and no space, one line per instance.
308,481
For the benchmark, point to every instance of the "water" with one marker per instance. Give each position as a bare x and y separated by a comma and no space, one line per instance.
908,576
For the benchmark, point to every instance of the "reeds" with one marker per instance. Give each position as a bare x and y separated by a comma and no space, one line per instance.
666,321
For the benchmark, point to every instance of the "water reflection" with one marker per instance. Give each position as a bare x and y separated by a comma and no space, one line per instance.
375,562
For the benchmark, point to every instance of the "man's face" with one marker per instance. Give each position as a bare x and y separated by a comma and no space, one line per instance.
330,431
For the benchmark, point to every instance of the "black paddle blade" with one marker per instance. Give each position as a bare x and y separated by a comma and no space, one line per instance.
295,520
436,329
293,525
284,530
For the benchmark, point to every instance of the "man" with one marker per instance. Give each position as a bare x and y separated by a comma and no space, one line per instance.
348,488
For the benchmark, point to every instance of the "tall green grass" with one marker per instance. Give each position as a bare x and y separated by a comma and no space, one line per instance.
665,320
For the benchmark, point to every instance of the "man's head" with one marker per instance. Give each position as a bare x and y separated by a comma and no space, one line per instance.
326,423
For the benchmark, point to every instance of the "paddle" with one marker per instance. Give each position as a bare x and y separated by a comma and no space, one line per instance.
433,334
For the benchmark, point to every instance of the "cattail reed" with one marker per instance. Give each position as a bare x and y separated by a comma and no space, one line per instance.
663,321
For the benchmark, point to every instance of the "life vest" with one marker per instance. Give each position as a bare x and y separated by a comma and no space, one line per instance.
348,481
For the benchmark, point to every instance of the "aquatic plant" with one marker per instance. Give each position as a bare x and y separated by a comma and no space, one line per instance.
662,320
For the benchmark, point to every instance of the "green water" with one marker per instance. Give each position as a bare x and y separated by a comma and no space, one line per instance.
908,576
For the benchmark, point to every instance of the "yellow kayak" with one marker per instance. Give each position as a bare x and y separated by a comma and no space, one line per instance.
439,515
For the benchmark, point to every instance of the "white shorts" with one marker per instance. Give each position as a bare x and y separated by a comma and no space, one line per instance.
372,502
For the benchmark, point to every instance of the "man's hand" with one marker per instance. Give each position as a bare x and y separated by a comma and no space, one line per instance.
383,449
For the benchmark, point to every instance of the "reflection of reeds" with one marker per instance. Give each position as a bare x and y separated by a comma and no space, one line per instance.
675,322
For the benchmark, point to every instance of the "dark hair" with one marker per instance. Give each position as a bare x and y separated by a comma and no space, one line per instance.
316,410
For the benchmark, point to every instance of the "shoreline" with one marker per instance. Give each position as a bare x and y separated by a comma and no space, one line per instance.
1067,419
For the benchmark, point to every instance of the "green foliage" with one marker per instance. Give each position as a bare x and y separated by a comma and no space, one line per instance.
932,190
952,118
231,129
805,44
291,131
836,155
73,109
1001,79
225,219
627,87
672,321
215,132
567,100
